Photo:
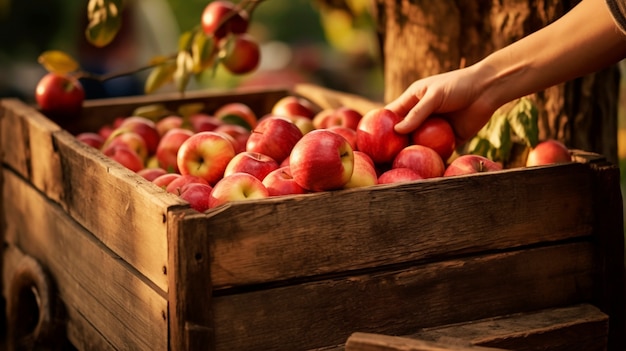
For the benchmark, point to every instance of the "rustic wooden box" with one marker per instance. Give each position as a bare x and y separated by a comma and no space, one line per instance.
136,269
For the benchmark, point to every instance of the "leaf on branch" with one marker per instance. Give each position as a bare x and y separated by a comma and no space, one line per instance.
184,69
202,52
56,61
105,20
159,76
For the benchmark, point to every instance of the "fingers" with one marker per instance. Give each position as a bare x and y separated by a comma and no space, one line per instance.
414,110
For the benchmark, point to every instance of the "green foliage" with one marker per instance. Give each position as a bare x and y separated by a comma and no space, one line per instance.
516,121
105,20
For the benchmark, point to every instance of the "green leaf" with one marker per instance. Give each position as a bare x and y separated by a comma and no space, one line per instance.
56,61
159,76
184,40
202,52
105,20
479,146
184,69
523,118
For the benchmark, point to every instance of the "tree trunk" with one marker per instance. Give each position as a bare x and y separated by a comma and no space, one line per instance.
424,37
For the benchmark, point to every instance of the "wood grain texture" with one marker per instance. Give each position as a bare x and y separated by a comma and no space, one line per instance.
98,286
377,342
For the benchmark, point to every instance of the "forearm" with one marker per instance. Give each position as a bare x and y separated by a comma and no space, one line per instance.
583,41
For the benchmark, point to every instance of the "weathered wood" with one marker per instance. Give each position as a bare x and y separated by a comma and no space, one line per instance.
398,302
127,310
328,99
377,342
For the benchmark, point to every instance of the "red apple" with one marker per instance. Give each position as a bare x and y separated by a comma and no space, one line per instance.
342,116
94,140
320,119
125,156
206,155
237,113
151,173
548,152
59,96
241,53
130,139
176,186
437,134
238,133
221,17
294,106
469,164
146,128
422,159
202,122
375,135
197,194
280,182
398,175
167,150
322,160
164,180
364,173
169,122
348,133
275,137
237,187
254,163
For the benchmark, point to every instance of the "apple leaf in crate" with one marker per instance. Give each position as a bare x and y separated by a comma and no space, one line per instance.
523,118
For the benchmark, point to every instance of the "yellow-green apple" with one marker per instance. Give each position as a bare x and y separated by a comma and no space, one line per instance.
342,116
303,123
364,173
177,185
237,113
164,180
240,53
145,127
221,17
375,135
59,96
275,137
422,159
126,156
254,163
292,105
437,134
348,133
130,139
206,155
238,133
169,122
151,173
167,150
398,175
322,160
469,164
547,152
280,182
92,139
237,187
197,194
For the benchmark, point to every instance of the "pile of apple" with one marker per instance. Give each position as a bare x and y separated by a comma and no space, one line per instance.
231,155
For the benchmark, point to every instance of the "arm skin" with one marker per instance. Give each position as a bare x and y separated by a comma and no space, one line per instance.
583,41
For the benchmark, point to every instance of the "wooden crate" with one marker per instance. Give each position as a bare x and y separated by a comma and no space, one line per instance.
133,267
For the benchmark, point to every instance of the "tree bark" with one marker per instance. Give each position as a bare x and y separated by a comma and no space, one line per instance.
424,37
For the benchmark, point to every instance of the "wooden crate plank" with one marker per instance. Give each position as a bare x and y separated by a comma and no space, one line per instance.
378,342
328,98
577,327
325,312
281,239
125,307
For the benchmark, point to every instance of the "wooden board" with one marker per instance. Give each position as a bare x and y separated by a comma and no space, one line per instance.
377,342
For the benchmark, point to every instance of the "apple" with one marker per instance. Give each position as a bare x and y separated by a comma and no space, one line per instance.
125,156
275,137
469,164
280,182
164,180
348,133
177,185
202,122
398,175
237,113
254,163
145,127
130,139
422,159
167,150
364,173
322,160
166,123
151,173
238,134
92,139
305,124
375,135
240,54
342,116
197,194
59,96
437,134
548,152
237,187
319,119
221,17
206,155
292,105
